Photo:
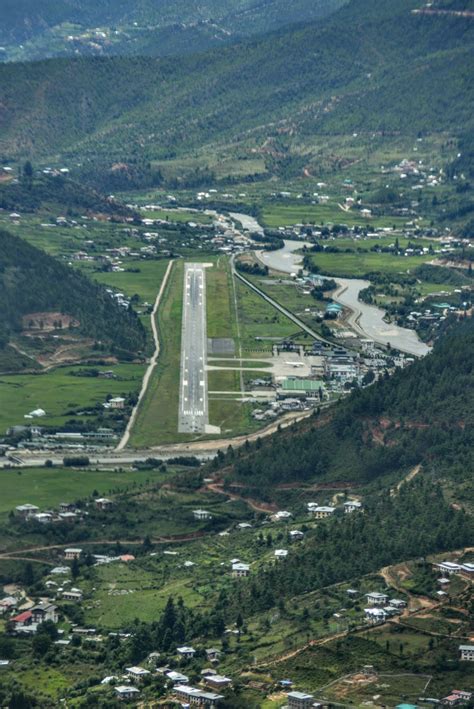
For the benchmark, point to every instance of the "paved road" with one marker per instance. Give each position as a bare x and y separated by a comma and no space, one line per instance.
193,408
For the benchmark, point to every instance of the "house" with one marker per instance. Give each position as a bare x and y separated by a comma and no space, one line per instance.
118,402
137,673
127,692
448,567
397,603
239,570
452,699
467,569
217,681
352,506
103,503
322,512
27,510
22,620
72,553
177,677
196,697
74,594
376,599
299,700
281,553
8,604
457,696
244,525
60,570
281,515
212,654
44,611
67,507
375,615
126,558
42,517
295,535
186,651
202,514
467,652
67,516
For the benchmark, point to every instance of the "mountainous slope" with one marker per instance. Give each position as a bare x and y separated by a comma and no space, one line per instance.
423,414
367,68
33,29
32,282
57,194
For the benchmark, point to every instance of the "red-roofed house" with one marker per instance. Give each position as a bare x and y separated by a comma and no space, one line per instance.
25,618
127,557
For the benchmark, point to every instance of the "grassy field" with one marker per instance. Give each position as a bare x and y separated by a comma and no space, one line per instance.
157,419
277,214
178,216
146,283
259,319
224,380
60,394
355,265
47,487
221,316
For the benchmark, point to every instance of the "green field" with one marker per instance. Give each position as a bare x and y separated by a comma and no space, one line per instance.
47,487
221,315
60,394
276,215
259,319
146,283
178,216
157,418
355,265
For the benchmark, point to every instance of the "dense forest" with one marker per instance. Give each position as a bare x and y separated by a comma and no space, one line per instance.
56,192
32,281
124,109
423,414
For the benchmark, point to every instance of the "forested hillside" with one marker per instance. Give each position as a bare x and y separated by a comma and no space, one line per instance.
424,414
57,193
45,28
33,282
369,67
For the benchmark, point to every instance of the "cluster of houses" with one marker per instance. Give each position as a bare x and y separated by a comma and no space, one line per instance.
380,607
67,512
324,511
206,695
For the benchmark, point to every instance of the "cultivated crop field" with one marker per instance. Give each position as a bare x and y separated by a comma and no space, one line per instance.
60,394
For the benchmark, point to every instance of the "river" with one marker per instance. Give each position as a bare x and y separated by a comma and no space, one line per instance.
367,320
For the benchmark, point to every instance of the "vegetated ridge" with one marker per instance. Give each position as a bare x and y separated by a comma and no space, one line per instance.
423,414
369,67
31,281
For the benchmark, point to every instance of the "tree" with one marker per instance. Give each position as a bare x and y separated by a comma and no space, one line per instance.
41,644
75,569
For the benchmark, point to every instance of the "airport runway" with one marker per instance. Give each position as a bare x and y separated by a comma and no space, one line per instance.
193,406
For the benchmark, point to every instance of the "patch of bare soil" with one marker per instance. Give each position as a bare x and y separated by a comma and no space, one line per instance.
47,322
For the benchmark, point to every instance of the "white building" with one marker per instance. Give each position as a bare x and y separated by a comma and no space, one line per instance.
202,514
467,652
137,673
239,570
352,506
72,553
376,599
323,511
